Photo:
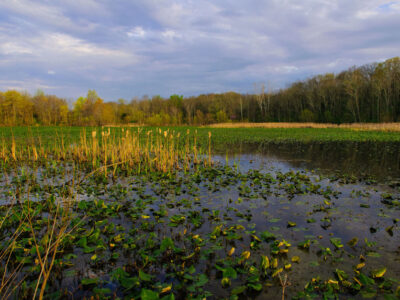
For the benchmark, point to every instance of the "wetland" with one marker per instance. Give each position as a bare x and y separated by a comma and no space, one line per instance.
185,213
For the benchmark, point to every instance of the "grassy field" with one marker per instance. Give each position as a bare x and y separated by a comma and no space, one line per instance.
219,136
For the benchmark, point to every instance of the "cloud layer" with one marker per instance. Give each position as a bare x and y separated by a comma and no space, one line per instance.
131,48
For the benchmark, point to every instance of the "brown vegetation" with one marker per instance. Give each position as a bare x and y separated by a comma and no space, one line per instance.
106,150
355,126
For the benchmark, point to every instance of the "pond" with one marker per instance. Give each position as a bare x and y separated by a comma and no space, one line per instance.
378,161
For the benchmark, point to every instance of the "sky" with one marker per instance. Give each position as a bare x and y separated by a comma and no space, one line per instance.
128,48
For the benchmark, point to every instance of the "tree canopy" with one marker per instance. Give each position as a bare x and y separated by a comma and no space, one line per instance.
370,93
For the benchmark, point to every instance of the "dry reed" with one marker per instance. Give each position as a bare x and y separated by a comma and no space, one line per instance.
354,126
127,148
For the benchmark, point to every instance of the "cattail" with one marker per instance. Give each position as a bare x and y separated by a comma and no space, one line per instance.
35,155
13,154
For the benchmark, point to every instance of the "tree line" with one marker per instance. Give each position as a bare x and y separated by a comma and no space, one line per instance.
370,93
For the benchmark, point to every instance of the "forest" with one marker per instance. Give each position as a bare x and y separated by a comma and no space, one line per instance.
369,93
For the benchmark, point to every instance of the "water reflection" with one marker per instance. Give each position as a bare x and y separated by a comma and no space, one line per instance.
381,161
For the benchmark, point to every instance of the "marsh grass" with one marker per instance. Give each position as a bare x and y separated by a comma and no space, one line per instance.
46,225
137,149
9,276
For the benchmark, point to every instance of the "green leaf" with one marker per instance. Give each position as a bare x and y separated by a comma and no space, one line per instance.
225,282
229,273
144,277
368,294
101,291
89,281
119,272
70,256
168,297
365,280
267,236
238,290
255,286
148,295
341,275
202,280
305,245
191,269
274,220
337,242
70,273
378,273
82,205
353,242
167,243
264,262
373,254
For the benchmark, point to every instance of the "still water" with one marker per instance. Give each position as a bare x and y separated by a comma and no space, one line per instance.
368,160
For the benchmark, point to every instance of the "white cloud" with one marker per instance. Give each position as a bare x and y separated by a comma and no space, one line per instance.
66,44
64,48
12,48
170,34
26,85
286,69
137,32
37,13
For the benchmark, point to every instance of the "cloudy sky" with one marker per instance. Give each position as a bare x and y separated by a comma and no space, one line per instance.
126,48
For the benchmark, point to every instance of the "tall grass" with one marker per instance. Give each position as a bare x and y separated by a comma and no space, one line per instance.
103,149
46,224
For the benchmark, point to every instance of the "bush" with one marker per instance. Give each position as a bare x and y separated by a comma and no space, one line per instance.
307,116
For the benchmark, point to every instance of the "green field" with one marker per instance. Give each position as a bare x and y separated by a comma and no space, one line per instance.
219,135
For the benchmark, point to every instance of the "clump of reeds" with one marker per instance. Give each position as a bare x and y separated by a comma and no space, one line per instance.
23,218
9,275
126,148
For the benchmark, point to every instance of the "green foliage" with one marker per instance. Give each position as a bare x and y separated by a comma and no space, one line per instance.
307,116
221,116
